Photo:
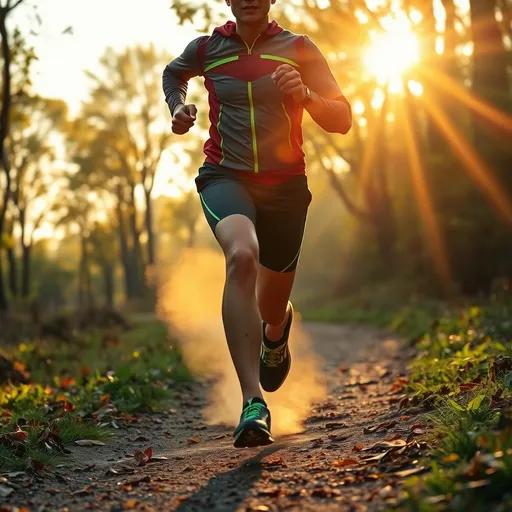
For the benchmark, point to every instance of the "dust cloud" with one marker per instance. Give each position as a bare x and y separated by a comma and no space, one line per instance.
190,296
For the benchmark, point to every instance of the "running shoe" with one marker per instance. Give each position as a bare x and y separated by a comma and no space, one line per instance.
275,358
254,427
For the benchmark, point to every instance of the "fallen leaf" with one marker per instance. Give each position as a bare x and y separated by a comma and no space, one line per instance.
398,443
20,434
316,443
193,440
136,481
403,403
5,491
385,491
140,438
377,458
131,503
416,425
358,448
345,462
15,474
142,458
89,442
335,425
52,491
83,492
409,472
468,386
383,427
451,458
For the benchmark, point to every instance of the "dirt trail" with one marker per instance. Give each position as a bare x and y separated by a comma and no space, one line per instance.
303,471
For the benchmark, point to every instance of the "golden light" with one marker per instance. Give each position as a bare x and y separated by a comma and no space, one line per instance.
392,52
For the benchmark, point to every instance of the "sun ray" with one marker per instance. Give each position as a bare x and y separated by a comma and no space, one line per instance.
453,88
477,169
437,246
375,129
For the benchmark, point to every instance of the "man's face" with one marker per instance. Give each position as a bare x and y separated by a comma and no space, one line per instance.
250,11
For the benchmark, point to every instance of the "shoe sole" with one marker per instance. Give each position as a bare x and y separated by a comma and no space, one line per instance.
252,437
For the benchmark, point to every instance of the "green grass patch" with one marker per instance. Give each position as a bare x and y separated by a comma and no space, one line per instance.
463,372
411,319
83,390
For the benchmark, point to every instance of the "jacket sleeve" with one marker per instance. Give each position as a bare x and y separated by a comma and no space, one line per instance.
331,110
179,71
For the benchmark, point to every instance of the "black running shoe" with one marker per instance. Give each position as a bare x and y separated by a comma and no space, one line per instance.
254,427
275,358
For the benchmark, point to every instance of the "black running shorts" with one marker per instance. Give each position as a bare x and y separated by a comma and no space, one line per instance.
277,211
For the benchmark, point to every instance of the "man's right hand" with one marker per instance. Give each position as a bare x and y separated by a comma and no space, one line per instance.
183,119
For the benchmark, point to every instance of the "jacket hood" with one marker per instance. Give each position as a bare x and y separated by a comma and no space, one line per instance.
229,29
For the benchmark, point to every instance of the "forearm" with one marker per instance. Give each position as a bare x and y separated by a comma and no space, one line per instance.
175,88
334,116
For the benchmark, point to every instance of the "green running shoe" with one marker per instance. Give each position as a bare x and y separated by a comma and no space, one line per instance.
275,358
254,427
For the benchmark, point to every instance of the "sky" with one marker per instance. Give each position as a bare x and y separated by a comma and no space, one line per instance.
96,24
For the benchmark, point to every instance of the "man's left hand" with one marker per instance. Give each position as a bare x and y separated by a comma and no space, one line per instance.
288,79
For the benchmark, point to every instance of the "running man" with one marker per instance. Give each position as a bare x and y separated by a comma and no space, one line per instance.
253,186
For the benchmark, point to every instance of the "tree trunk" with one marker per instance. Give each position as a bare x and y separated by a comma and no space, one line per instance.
149,228
4,131
490,77
137,259
25,277
108,283
84,283
13,272
123,247
4,306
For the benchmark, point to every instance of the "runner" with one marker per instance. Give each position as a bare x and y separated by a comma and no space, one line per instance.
253,186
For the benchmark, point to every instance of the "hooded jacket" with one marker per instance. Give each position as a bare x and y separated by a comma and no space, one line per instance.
254,127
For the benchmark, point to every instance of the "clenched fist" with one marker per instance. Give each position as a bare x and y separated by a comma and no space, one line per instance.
183,119
288,79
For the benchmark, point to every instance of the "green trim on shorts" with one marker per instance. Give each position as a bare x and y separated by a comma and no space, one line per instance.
208,208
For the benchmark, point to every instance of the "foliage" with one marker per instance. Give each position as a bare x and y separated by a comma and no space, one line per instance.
464,372
82,391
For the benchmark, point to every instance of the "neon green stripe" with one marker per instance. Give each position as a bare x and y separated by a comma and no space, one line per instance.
289,126
221,137
253,127
280,59
220,62
207,207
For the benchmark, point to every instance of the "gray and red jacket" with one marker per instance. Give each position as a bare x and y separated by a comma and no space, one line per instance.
255,127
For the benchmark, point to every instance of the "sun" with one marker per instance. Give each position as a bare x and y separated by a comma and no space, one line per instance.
392,53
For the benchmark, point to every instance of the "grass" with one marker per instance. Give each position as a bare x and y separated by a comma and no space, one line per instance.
463,372
462,375
83,390
411,319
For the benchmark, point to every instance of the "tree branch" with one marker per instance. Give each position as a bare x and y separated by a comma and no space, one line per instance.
340,190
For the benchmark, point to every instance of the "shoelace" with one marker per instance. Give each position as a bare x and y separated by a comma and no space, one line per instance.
253,411
273,356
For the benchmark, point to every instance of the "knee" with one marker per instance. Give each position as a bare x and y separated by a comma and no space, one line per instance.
242,264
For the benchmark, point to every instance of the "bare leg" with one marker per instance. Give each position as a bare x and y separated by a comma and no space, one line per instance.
274,289
240,314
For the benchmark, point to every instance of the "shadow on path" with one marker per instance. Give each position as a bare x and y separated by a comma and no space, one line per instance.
227,491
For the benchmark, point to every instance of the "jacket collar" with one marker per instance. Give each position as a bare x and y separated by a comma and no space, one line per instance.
229,29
